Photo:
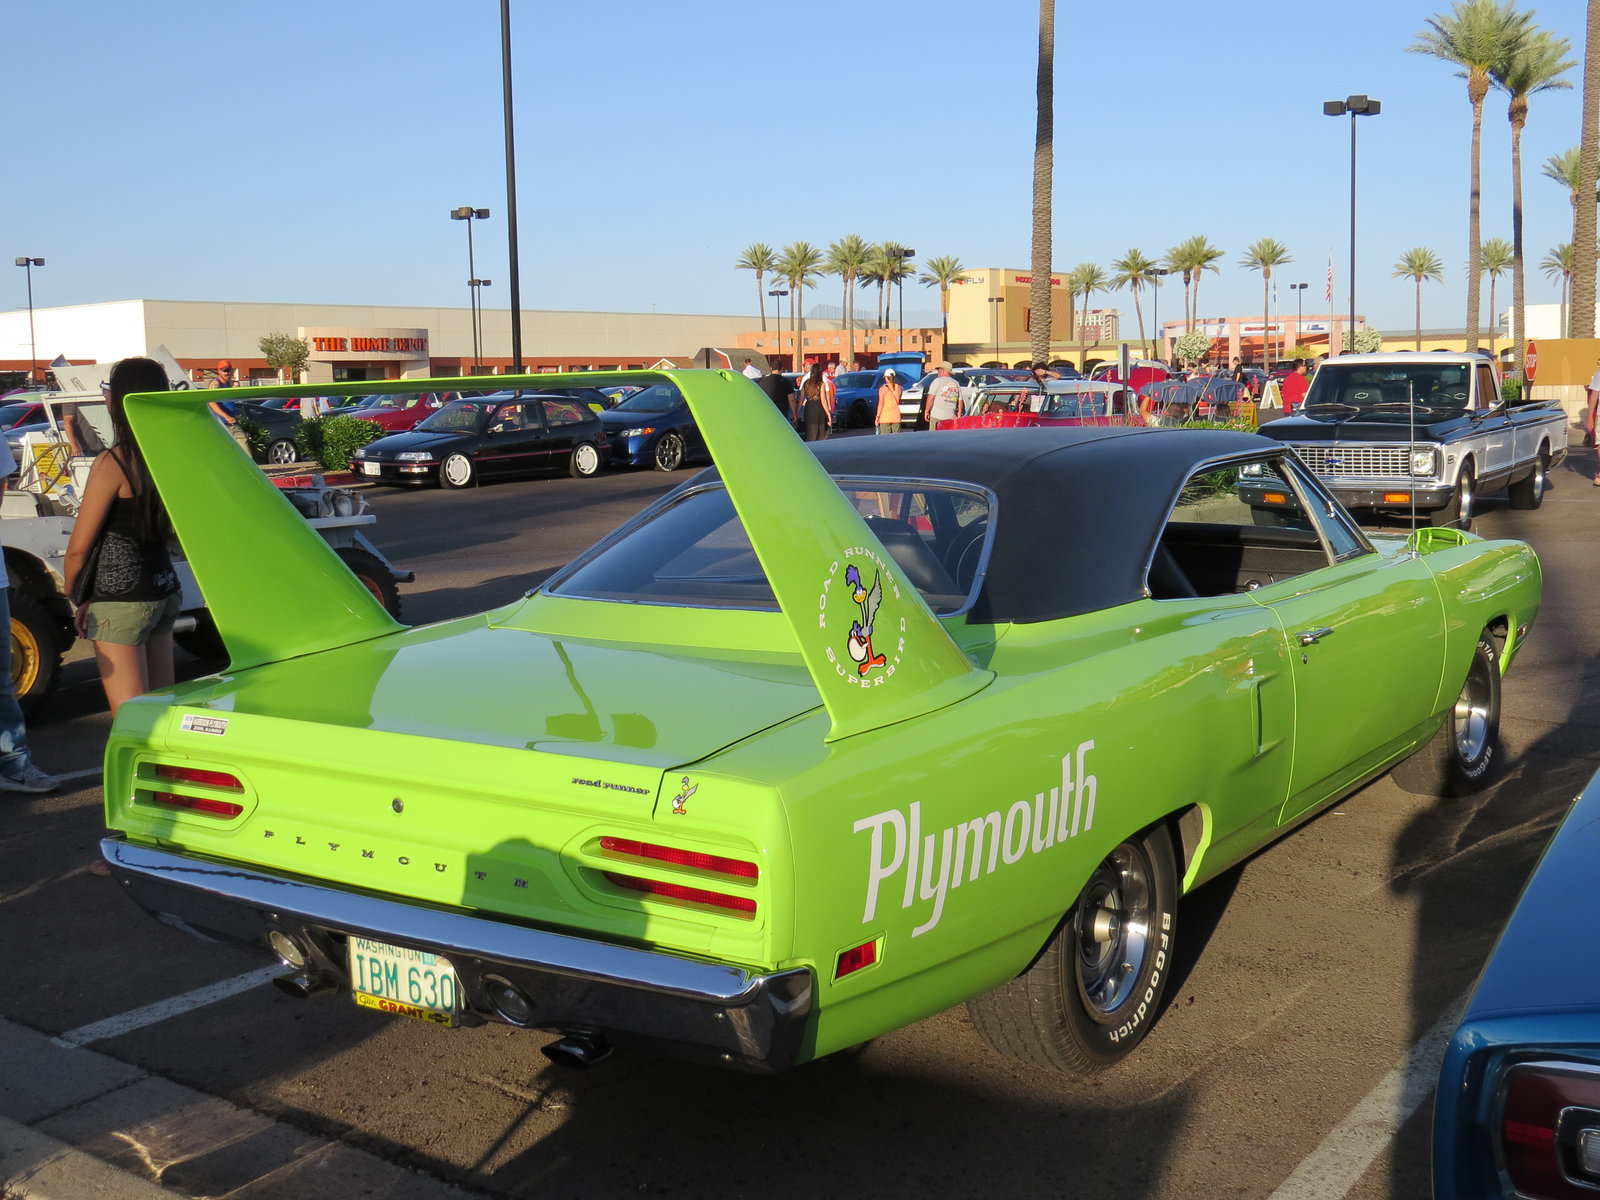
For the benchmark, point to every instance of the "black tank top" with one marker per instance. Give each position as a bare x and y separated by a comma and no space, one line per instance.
128,568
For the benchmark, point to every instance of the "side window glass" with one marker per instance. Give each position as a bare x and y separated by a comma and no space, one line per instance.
507,418
1487,396
1339,530
563,412
1235,529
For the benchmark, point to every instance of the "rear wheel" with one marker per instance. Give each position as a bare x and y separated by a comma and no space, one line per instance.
374,576
1457,760
281,450
1093,993
456,471
1529,492
585,460
35,653
669,452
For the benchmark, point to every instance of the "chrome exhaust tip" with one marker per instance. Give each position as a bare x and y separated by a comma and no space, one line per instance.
302,985
578,1052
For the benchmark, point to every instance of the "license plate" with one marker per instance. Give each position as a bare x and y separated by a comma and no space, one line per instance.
413,983
368,468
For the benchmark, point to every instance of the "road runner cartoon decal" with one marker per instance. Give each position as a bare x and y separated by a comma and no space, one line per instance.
871,664
860,643
984,843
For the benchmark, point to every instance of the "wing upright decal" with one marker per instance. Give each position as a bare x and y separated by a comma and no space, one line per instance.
874,648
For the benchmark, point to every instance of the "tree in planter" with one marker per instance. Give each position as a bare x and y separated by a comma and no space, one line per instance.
331,440
1192,346
285,354
1368,341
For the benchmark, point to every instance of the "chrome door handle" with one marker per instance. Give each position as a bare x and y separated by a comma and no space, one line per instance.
1309,637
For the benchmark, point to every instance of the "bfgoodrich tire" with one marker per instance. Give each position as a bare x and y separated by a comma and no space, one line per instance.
1094,992
1459,757
35,653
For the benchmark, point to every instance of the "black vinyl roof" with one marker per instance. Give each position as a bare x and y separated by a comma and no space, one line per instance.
1080,508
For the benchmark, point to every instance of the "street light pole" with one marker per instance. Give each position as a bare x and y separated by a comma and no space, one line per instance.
29,264
511,189
778,296
1299,290
469,214
1155,287
995,321
477,293
900,288
1356,106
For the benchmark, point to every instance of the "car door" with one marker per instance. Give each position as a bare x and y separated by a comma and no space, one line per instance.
565,421
514,439
1367,642
1495,427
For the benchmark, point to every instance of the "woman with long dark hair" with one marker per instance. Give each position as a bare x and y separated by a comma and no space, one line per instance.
817,395
127,608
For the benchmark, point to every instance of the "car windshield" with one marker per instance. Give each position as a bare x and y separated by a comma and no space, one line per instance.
459,416
855,379
11,414
693,552
399,400
658,397
1371,385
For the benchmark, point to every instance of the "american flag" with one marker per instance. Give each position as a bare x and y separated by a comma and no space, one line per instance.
1330,276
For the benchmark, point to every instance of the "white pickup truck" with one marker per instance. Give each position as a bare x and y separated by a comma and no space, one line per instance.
1425,433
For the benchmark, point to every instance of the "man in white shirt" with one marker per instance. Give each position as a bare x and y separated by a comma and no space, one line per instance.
940,401
751,371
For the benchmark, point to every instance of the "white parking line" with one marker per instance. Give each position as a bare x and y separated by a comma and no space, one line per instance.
151,1014
64,776
1334,1167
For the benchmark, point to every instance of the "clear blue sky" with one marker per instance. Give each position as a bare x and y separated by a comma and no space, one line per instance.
178,149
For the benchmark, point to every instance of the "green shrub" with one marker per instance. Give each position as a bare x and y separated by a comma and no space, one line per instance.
331,440
259,438
1511,389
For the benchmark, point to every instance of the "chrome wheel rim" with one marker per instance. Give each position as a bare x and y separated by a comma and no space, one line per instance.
1468,494
1471,714
1113,920
587,459
457,470
1539,478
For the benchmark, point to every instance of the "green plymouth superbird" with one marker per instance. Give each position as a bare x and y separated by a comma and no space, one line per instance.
828,740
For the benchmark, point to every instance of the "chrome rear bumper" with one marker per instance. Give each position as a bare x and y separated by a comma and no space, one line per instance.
577,986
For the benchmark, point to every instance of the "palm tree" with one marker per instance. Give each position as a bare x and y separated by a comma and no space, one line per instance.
1192,256
1262,256
1565,168
884,266
846,258
1085,278
1558,265
943,270
1044,133
1583,226
1535,66
758,257
1476,36
1494,260
799,265
1419,263
1133,272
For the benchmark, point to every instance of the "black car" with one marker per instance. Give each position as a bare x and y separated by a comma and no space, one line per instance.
490,435
281,425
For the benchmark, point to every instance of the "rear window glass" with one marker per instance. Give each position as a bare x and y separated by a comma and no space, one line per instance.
564,412
693,552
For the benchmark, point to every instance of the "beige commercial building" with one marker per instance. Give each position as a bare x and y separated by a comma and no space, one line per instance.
354,342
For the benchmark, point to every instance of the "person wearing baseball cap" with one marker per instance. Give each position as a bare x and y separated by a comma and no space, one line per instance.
941,401
889,403
224,376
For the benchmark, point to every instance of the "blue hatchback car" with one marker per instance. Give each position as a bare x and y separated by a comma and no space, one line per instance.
653,428
1518,1107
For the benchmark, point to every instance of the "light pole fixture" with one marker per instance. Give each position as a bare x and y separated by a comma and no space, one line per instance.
1161,338
477,309
511,189
901,253
778,296
1356,106
29,264
995,321
1299,290
469,214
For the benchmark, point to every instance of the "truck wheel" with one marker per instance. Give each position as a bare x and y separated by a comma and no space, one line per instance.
1529,492
1094,992
35,653
1457,759
374,576
1458,512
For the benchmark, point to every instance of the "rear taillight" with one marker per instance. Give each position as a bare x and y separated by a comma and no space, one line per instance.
1550,1130
183,784
856,958
200,804
734,870
211,779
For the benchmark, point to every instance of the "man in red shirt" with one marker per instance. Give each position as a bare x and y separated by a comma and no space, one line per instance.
1295,386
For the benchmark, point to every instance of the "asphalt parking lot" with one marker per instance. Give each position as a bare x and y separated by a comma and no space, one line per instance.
1311,987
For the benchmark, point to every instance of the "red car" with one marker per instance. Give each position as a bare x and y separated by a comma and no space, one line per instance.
399,412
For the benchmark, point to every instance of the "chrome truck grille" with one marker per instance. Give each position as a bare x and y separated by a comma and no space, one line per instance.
1381,462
